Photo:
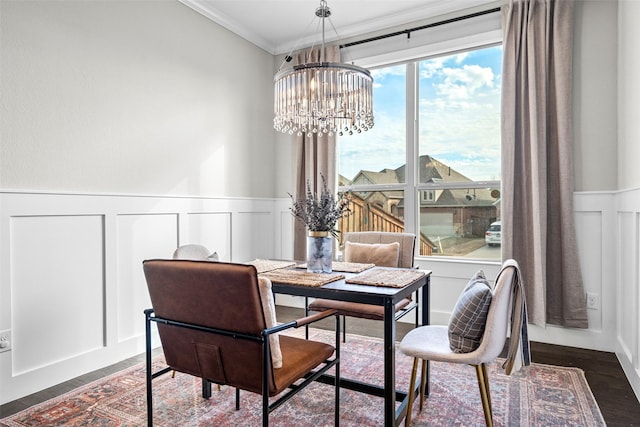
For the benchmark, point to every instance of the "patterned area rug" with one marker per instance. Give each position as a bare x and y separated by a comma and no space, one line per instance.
541,395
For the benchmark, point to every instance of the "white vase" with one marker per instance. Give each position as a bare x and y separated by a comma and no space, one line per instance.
319,252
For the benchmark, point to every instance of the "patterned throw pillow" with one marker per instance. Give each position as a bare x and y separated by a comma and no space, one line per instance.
469,316
478,277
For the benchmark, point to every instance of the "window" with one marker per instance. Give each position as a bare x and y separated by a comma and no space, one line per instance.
428,196
439,175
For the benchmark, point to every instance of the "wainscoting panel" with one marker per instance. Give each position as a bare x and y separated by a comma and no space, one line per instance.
286,226
627,317
628,285
72,288
255,236
213,230
589,236
57,288
139,237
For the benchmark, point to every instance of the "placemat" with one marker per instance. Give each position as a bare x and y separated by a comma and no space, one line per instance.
264,265
301,278
388,278
347,267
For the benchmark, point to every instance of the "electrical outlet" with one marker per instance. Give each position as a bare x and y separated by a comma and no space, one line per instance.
5,341
593,301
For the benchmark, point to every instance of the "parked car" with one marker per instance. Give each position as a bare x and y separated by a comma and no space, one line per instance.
492,236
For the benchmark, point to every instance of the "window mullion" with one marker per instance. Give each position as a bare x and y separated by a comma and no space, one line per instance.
411,177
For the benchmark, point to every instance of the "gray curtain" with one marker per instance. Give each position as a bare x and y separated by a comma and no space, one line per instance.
537,164
315,156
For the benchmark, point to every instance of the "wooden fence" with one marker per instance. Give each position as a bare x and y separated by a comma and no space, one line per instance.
367,217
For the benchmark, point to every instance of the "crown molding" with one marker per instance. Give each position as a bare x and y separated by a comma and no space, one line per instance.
426,10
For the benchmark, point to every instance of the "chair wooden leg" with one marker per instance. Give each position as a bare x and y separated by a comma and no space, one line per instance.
485,395
412,386
488,388
423,382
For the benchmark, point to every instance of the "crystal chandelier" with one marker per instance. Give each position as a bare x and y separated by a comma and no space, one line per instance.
323,97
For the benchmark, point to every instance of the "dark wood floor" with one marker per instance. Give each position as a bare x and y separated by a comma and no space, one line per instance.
612,391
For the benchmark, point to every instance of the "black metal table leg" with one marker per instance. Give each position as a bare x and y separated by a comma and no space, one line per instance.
389,364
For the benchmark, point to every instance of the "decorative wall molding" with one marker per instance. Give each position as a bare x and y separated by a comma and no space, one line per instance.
72,289
627,279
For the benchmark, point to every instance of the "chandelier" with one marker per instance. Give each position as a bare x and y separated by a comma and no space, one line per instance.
323,97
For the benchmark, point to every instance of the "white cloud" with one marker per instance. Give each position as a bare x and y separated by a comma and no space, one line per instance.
464,82
462,134
459,121
382,73
429,68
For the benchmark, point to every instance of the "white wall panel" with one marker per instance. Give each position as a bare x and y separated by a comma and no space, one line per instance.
93,247
636,306
286,227
156,107
57,288
212,230
627,315
139,237
628,285
254,236
589,236
73,289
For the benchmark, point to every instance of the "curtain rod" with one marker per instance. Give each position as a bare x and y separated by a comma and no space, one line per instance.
422,27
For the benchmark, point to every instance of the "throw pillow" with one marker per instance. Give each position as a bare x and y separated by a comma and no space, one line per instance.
469,317
269,310
478,277
380,254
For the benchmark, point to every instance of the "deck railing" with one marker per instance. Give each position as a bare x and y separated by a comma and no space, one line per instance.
369,217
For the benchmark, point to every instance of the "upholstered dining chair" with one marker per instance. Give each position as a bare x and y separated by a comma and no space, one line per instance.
217,321
372,247
439,343
194,252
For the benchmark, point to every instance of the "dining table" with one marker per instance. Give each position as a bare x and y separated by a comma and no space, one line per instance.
367,284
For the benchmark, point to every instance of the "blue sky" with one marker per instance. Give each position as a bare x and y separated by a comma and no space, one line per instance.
459,111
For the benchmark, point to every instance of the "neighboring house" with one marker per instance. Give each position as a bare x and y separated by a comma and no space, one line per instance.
444,212
386,200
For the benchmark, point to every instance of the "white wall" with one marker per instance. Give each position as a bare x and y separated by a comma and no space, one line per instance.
594,95
628,94
109,108
628,203
142,97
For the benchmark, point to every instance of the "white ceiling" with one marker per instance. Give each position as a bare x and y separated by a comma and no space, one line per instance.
277,26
